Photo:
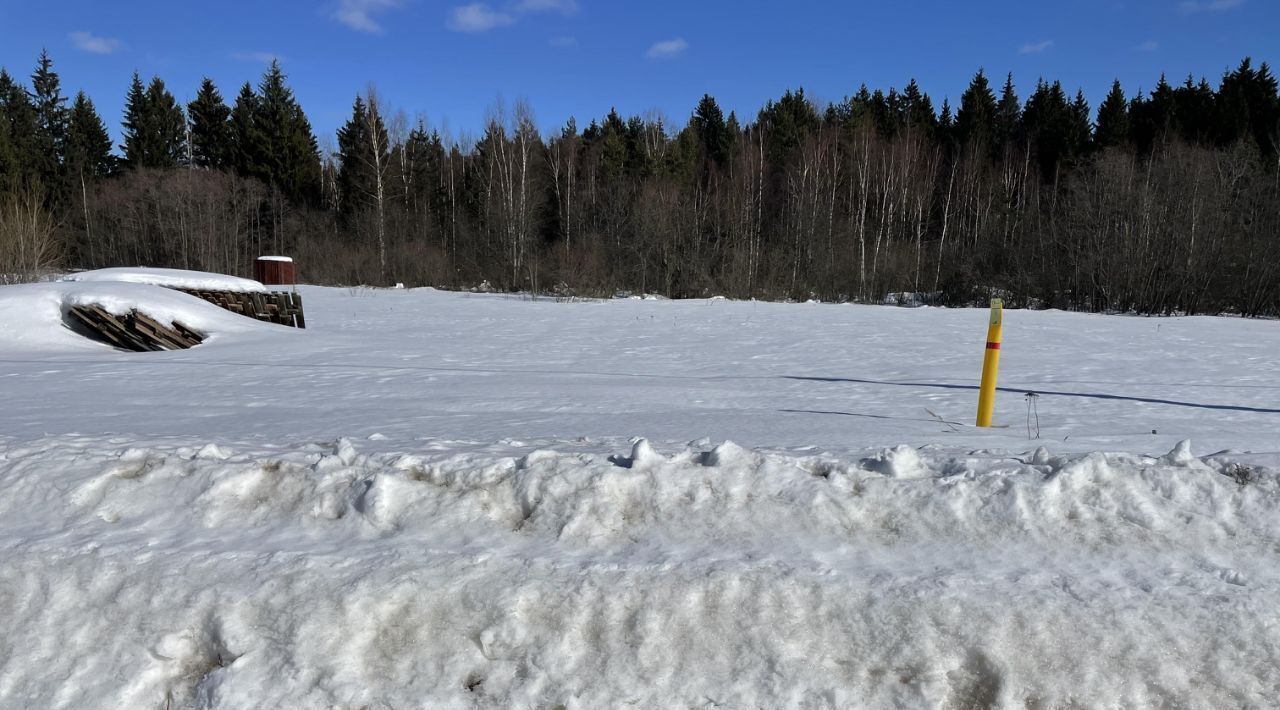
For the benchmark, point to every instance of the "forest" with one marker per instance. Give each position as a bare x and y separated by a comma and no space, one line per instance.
1160,202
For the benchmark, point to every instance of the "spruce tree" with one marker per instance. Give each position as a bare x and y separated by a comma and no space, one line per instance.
881,111
284,150
88,143
356,176
18,142
88,157
1113,119
975,121
1266,113
946,121
1051,125
51,123
244,134
421,163
613,138
1248,107
210,119
856,110
135,126
155,131
1151,118
1194,105
1008,117
170,125
713,135
916,110
787,122
1080,128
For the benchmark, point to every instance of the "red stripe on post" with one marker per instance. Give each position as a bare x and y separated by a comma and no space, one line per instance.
993,346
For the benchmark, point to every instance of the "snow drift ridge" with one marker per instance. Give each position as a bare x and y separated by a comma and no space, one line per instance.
319,575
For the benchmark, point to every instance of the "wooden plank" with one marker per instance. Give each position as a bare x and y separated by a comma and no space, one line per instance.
134,331
282,307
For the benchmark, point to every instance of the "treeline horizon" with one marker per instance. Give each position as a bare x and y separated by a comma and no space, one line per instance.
1157,203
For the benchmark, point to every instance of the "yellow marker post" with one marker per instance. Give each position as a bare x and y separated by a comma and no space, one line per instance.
990,365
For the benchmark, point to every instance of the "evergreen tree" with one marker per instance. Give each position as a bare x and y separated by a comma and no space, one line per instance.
853,112
1113,119
1053,126
424,153
1266,113
879,112
284,150
135,121
786,123
613,143
155,132
946,122
51,122
1194,108
713,135
916,110
244,140
357,176
17,136
1152,118
211,145
1008,117
639,164
88,152
975,121
1248,106
1080,128
88,157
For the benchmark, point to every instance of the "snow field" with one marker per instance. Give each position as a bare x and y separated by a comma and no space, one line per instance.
436,500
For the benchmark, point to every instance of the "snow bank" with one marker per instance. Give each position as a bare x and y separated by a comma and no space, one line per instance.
320,575
171,278
32,315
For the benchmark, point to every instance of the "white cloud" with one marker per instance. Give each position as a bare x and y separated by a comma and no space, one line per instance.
567,7
1036,47
478,17
89,42
667,49
1149,46
1191,7
358,14
263,57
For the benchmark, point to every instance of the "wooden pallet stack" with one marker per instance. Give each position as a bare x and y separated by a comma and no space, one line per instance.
134,331
282,307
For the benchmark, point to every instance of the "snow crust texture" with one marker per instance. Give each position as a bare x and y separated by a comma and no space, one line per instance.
317,575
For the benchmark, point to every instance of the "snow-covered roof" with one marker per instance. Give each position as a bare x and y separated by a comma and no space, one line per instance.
31,315
171,278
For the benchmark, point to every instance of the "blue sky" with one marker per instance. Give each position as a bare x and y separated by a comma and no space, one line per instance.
450,60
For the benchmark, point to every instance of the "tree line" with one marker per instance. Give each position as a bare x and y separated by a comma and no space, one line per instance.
1165,201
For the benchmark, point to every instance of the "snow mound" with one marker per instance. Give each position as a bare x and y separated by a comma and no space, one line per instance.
321,575
32,316
171,278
